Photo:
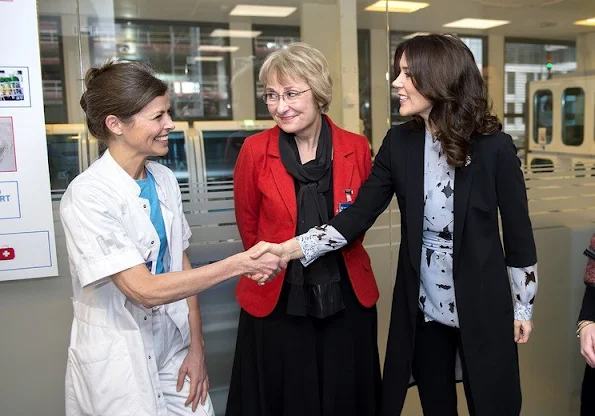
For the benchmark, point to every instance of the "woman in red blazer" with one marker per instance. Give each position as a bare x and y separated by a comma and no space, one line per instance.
307,340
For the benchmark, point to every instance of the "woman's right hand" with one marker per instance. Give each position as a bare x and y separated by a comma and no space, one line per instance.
263,267
274,248
587,337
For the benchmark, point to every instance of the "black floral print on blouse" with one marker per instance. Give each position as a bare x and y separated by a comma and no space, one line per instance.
436,291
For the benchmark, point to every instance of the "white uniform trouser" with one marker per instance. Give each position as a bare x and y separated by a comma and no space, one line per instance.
167,341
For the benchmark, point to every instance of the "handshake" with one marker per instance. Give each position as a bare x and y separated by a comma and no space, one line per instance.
264,261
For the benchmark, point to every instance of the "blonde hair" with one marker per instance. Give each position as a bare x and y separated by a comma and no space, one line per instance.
300,60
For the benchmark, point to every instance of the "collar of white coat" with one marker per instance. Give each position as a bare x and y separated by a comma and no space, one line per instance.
124,179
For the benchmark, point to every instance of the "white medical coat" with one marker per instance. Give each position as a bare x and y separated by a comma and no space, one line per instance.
111,368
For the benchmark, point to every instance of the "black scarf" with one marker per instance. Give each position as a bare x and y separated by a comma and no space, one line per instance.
315,290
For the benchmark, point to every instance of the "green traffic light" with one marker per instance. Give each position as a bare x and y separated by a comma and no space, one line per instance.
549,65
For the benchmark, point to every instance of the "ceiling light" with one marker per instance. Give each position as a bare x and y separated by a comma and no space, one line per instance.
396,6
586,22
264,11
412,35
552,48
217,48
209,58
476,23
234,33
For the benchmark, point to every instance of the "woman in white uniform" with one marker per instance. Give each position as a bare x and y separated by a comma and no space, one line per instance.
136,345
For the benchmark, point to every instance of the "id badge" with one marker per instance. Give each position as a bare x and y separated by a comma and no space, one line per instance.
348,200
344,205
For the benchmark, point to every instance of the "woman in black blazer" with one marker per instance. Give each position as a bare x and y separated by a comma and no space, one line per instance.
586,334
452,171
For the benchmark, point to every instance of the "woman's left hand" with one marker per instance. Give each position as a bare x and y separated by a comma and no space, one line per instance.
587,337
522,331
195,367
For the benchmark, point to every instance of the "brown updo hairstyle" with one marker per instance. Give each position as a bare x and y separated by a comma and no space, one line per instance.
444,71
119,88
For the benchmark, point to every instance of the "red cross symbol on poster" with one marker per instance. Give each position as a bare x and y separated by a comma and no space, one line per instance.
6,253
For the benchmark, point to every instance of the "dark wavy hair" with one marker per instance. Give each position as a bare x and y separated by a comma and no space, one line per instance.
444,71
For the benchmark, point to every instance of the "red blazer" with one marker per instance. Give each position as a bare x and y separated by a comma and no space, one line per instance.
266,209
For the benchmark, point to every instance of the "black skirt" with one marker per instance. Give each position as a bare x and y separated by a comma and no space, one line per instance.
288,365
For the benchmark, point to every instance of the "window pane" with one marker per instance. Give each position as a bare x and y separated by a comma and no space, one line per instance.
52,69
510,82
365,81
221,152
395,39
195,65
542,117
271,39
542,165
176,157
573,116
63,159
510,111
476,45
515,126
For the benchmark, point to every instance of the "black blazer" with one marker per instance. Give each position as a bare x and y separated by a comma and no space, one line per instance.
493,182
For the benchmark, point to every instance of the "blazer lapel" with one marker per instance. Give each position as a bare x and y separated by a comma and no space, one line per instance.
283,180
463,180
414,196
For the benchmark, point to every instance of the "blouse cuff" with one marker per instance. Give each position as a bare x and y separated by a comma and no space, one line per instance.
318,241
523,281
522,312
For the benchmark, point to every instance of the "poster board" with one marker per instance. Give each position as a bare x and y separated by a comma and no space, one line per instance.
27,241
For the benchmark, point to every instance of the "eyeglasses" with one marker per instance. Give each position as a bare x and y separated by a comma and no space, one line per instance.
288,97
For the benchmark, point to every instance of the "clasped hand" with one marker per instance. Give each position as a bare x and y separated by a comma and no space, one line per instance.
265,261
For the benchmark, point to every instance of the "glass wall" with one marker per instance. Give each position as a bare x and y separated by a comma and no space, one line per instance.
210,57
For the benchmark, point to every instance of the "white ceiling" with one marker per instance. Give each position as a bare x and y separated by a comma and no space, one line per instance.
543,19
